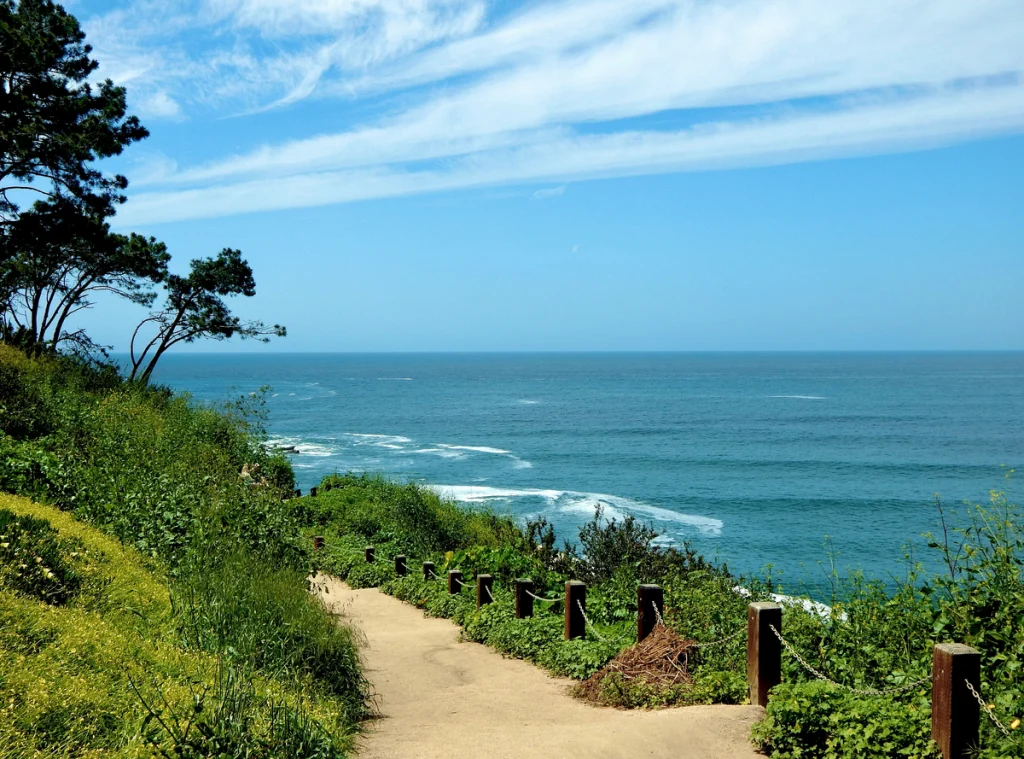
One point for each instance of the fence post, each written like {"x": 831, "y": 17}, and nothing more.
{"x": 298, "y": 492}
{"x": 328, "y": 486}
{"x": 454, "y": 581}
{"x": 955, "y": 711}
{"x": 484, "y": 583}
{"x": 647, "y": 598}
{"x": 428, "y": 570}
{"x": 575, "y": 608}
{"x": 400, "y": 569}
{"x": 312, "y": 492}
{"x": 524, "y": 603}
{"x": 318, "y": 542}
{"x": 764, "y": 651}
{"x": 370, "y": 555}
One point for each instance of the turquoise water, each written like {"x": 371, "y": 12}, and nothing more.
{"x": 755, "y": 459}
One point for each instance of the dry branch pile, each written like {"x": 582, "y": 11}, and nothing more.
{"x": 660, "y": 661}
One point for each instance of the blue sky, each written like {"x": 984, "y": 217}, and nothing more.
{"x": 586, "y": 174}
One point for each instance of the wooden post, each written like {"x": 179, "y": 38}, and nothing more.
{"x": 370, "y": 555}
{"x": 575, "y": 608}
{"x": 647, "y": 598}
{"x": 298, "y": 492}
{"x": 484, "y": 583}
{"x": 764, "y": 651}
{"x": 312, "y": 492}
{"x": 327, "y": 487}
{"x": 428, "y": 570}
{"x": 955, "y": 711}
{"x": 318, "y": 542}
{"x": 400, "y": 568}
{"x": 454, "y": 581}
{"x": 524, "y": 602}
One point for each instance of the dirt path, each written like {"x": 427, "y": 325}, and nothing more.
{"x": 439, "y": 697}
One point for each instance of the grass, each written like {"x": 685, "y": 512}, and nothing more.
{"x": 159, "y": 601}
{"x": 106, "y": 673}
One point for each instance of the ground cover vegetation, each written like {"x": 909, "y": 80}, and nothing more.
{"x": 878, "y": 635}
{"x": 179, "y": 623}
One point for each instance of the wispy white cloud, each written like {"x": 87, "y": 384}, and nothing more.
{"x": 877, "y": 128}
{"x": 448, "y": 97}
{"x": 549, "y": 192}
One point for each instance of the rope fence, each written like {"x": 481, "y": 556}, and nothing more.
{"x": 955, "y": 677}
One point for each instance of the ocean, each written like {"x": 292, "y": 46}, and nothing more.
{"x": 788, "y": 460}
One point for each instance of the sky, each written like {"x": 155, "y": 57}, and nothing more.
{"x": 483, "y": 175}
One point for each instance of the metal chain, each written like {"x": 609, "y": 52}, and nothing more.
{"x": 489, "y": 593}
{"x": 858, "y": 691}
{"x": 433, "y": 574}
{"x": 587, "y": 621}
{"x": 460, "y": 582}
{"x": 657, "y": 615}
{"x": 987, "y": 709}
{"x": 544, "y": 600}
{"x": 720, "y": 641}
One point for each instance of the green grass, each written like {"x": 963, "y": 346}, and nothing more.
{"x": 203, "y": 638}
{"x": 77, "y": 673}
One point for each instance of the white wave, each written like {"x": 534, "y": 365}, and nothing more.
{"x": 800, "y": 397}
{"x": 394, "y": 379}
{"x": 476, "y": 448}
{"x": 574, "y": 502}
{"x": 314, "y": 449}
{"x": 368, "y": 436}
{"x": 521, "y": 463}
{"x": 481, "y": 493}
{"x": 528, "y": 402}
{"x": 445, "y": 454}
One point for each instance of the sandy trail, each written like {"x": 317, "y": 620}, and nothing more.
{"x": 439, "y": 697}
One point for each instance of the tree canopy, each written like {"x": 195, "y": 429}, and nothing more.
{"x": 54, "y": 123}
{"x": 194, "y": 309}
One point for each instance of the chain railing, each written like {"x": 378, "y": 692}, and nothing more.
{"x": 535, "y": 597}
{"x": 953, "y": 735}
{"x": 988, "y": 709}
{"x": 858, "y": 691}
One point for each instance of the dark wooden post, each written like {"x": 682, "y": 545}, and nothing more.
{"x": 484, "y": 583}
{"x": 327, "y": 487}
{"x": 647, "y": 598}
{"x": 312, "y": 492}
{"x": 454, "y": 581}
{"x": 764, "y": 651}
{"x": 524, "y": 602}
{"x": 318, "y": 542}
{"x": 575, "y": 608}
{"x": 370, "y": 555}
{"x": 400, "y": 568}
{"x": 955, "y": 711}
{"x": 298, "y": 492}
{"x": 428, "y": 570}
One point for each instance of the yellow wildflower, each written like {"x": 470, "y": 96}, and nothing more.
{"x": 1015, "y": 724}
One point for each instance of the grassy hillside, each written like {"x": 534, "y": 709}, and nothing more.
{"x": 179, "y": 621}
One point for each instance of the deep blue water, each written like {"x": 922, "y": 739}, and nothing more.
{"x": 754, "y": 458}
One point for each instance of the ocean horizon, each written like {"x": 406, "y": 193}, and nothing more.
{"x": 787, "y": 459}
